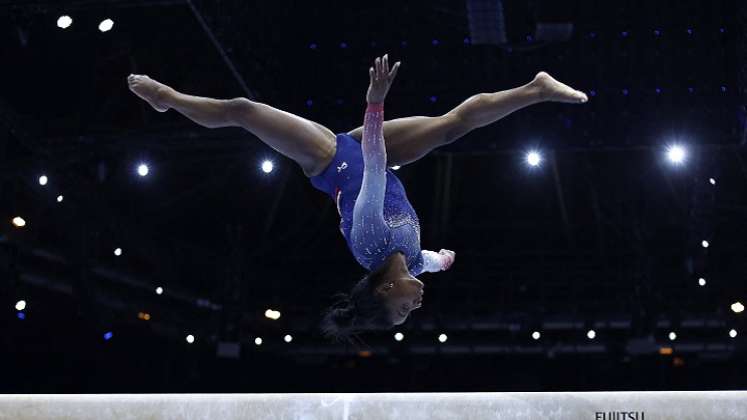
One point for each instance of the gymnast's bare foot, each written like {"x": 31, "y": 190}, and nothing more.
{"x": 552, "y": 90}
{"x": 150, "y": 91}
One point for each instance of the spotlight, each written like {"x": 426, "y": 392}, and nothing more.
{"x": 60, "y": 198}
{"x": 705, "y": 244}
{"x": 64, "y": 21}
{"x": 702, "y": 281}
{"x": 118, "y": 252}
{"x": 159, "y": 290}
{"x": 190, "y": 339}
{"x": 143, "y": 169}
{"x": 442, "y": 338}
{"x": 106, "y": 25}
{"x": 395, "y": 167}
{"x": 258, "y": 341}
{"x": 267, "y": 166}
{"x": 19, "y": 222}
{"x": 273, "y": 315}
{"x": 672, "y": 336}
{"x": 21, "y": 315}
{"x": 712, "y": 181}
{"x": 534, "y": 158}
{"x": 43, "y": 180}
{"x": 108, "y": 335}
{"x": 737, "y": 307}
{"x": 399, "y": 336}
{"x": 288, "y": 338}
{"x": 733, "y": 333}
{"x": 536, "y": 335}
{"x": 676, "y": 154}
{"x": 591, "y": 334}
{"x": 20, "y": 305}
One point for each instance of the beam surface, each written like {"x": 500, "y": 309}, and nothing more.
{"x": 690, "y": 405}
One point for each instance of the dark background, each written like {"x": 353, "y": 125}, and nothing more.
{"x": 605, "y": 234}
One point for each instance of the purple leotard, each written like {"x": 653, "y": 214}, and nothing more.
{"x": 376, "y": 218}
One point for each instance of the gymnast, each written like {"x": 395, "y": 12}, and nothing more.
{"x": 378, "y": 222}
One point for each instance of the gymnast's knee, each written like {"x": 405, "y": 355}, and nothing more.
{"x": 239, "y": 109}
{"x": 455, "y": 127}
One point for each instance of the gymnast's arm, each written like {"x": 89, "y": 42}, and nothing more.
{"x": 369, "y": 231}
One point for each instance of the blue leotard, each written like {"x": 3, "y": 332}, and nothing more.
{"x": 376, "y": 218}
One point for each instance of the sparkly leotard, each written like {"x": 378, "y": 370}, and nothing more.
{"x": 376, "y": 218}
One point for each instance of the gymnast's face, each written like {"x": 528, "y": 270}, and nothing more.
{"x": 402, "y": 294}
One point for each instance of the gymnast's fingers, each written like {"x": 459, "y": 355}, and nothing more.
{"x": 393, "y": 73}
{"x": 385, "y": 65}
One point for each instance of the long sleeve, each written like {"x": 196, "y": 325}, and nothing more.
{"x": 370, "y": 233}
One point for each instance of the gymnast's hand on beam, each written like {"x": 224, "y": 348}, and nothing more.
{"x": 449, "y": 257}
{"x": 381, "y": 79}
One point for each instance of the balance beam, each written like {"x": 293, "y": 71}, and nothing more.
{"x": 695, "y": 405}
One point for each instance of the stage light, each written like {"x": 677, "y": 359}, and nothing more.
{"x": 60, "y": 198}
{"x": 702, "y": 281}
{"x": 143, "y": 169}
{"x": 144, "y": 316}
{"x": 442, "y": 338}
{"x": 190, "y": 339}
{"x": 733, "y": 333}
{"x": 395, "y": 167}
{"x": 712, "y": 181}
{"x": 64, "y": 22}
{"x": 288, "y": 338}
{"x": 737, "y": 307}
{"x": 118, "y": 252}
{"x": 672, "y": 336}
{"x": 534, "y": 158}
{"x": 267, "y": 166}
{"x": 108, "y": 335}
{"x": 309, "y": 103}
{"x": 433, "y": 98}
{"x": 21, "y": 315}
{"x": 20, "y": 305}
{"x": 399, "y": 336}
{"x": 705, "y": 244}
{"x": 676, "y": 154}
{"x": 19, "y": 222}
{"x": 536, "y": 335}
{"x": 106, "y": 25}
{"x": 43, "y": 180}
{"x": 159, "y": 290}
{"x": 258, "y": 341}
{"x": 271, "y": 314}
{"x": 591, "y": 334}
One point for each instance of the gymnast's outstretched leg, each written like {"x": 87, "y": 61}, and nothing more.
{"x": 309, "y": 144}
{"x": 409, "y": 139}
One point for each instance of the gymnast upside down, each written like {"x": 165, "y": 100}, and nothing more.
{"x": 378, "y": 222}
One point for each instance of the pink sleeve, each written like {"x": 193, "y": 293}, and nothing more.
{"x": 370, "y": 234}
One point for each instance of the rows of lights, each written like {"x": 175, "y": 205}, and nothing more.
{"x": 656, "y": 32}
{"x": 676, "y": 154}
{"x": 65, "y": 21}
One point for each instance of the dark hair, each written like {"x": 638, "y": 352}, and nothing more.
{"x": 361, "y": 309}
